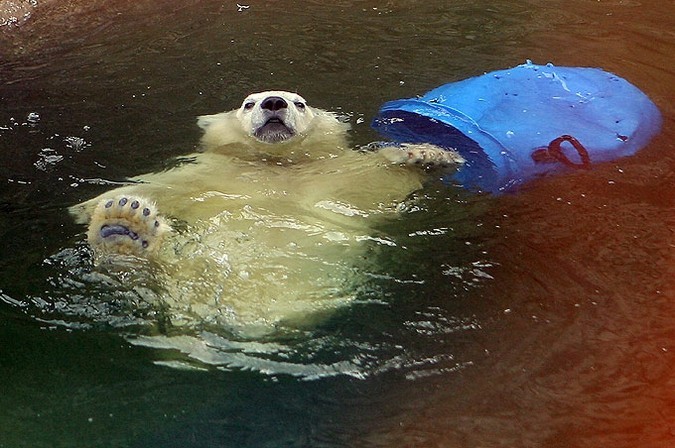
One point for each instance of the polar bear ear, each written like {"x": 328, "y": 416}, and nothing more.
{"x": 206, "y": 121}
{"x": 221, "y": 129}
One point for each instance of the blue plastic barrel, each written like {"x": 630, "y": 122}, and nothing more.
{"x": 516, "y": 124}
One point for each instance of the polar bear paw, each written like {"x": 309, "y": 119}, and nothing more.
{"x": 126, "y": 225}
{"x": 426, "y": 154}
{"x": 422, "y": 154}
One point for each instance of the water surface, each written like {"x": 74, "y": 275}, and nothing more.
{"x": 542, "y": 318}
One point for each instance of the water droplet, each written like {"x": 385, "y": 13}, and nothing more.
{"x": 33, "y": 118}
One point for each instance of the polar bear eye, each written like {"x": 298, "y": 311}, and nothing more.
{"x": 249, "y": 105}
{"x": 300, "y": 105}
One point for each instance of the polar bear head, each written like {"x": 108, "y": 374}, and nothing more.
{"x": 274, "y": 117}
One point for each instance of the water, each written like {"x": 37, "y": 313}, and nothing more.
{"x": 536, "y": 319}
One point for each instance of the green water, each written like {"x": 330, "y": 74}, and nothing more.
{"x": 541, "y": 319}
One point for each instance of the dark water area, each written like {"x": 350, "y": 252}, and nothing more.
{"x": 541, "y": 318}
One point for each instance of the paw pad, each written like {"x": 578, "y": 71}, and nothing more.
{"x": 126, "y": 225}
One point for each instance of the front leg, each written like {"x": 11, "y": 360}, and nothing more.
{"x": 418, "y": 154}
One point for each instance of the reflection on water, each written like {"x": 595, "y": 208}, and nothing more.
{"x": 537, "y": 319}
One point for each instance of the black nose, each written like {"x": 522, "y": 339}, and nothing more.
{"x": 274, "y": 103}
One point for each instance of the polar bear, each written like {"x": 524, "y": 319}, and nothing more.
{"x": 265, "y": 227}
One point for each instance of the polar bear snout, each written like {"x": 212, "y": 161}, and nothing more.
{"x": 275, "y": 122}
{"x": 274, "y": 128}
{"x": 274, "y": 103}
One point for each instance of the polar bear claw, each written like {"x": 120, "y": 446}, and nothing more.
{"x": 126, "y": 225}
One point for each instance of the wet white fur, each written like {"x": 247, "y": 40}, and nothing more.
{"x": 270, "y": 234}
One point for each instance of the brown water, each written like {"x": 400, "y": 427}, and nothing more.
{"x": 537, "y": 319}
